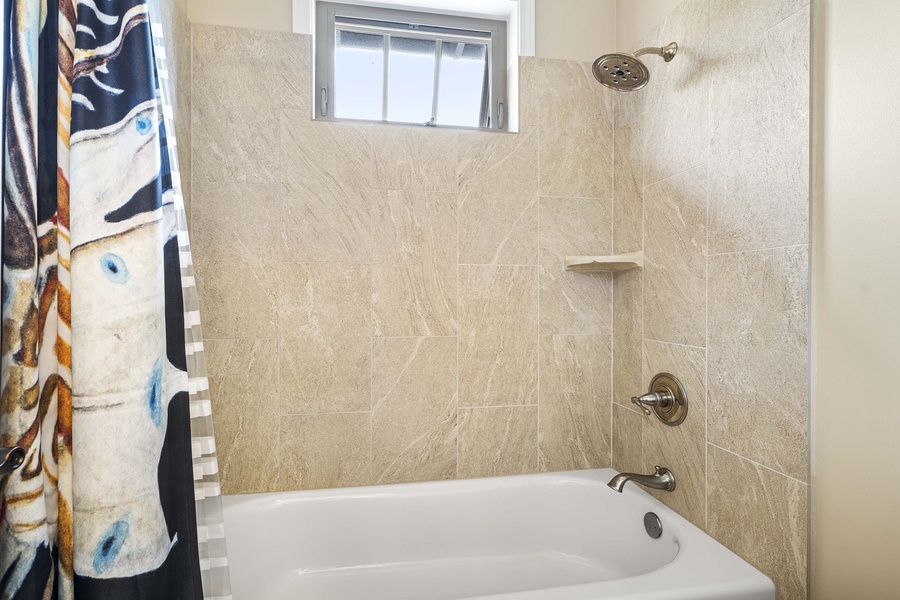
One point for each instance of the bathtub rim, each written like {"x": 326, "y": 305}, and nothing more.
{"x": 722, "y": 573}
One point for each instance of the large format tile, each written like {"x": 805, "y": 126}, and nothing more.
{"x": 627, "y": 444}
{"x": 326, "y": 209}
{"x": 278, "y": 61}
{"x": 212, "y": 75}
{"x": 325, "y": 299}
{"x": 414, "y": 430}
{"x": 683, "y": 448}
{"x": 238, "y": 299}
{"x": 575, "y": 402}
{"x": 237, "y": 144}
{"x": 759, "y": 151}
{"x": 498, "y": 198}
{"x": 530, "y": 90}
{"x": 761, "y": 515}
{"x": 676, "y": 123}
{"x": 498, "y": 345}
{"x": 317, "y": 225}
{"x": 325, "y": 373}
{"x": 735, "y": 23}
{"x": 414, "y": 158}
{"x": 575, "y": 116}
{"x": 575, "y": 302}
{"x": 497, "y": 441}
{"x": 324, "y": 451}
{"x": 563, "y": 94}
{"x": 220, "y": 224}
{"x": 295, "y": 73}
{"x": 627, "y": 336}
{"x": 758, "y": 389}
{"x": 324, "y": 323}
{"x": 238, "y": 44}
{"x": 628, "y": 177}
{"x": 576, "y": 163}
{"x": 675, "y": 259}
{"x": 243, "y": 380}
{"x": 414, "y": 271}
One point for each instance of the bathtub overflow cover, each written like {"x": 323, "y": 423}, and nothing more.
{"x": 653, "y": 525}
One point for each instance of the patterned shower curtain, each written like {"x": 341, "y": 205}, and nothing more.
{"x": 102, "y": 375}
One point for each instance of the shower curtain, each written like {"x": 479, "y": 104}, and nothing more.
{"x": 101, "y": 374}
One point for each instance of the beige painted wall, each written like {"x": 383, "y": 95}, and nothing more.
{"x": 856, "y": 306}
{"x": 392, "y": 311}
{"x": 575, "y": 29}
{"x": 571, "y": 30}
{"x": 271, "y": 15}
{"x": 720, "y": 207}
{"x": 636, "y": 18}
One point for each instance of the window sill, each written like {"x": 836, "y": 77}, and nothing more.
{"x": 417, "y": 125}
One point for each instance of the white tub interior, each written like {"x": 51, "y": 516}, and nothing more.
{"x": 443, "y": 541}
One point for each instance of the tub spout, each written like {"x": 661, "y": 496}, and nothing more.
{"x": 663, "y": 479}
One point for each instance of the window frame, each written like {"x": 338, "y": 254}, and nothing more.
{"x": 327, "y": 14}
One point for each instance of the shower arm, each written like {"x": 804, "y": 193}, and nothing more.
{"x": 666, "y": 52}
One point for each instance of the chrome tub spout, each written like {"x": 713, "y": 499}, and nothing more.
{"x": 662, "y": 479}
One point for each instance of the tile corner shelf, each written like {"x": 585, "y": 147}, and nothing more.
{"x": 619, "y": 262}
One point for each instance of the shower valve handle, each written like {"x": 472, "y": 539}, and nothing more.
{"x": 660, "y": 399}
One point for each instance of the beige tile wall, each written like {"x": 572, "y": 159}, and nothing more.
{"x": 712, "y": 182}
{"x": 387, "y": 304}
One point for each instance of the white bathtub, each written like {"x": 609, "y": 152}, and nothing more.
{"x": 559, "y": 536}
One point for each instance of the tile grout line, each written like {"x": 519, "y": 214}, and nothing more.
{"x": 628, "y": 408}
{"x": 758, "y": 250}
{"x": 498, "y": 406}
{"x": 709, "y": 152}
{"x": 709, "y": 116}
{"x": 459, "y": 311}
{"x": 597, "y": 198}
{"x": 411, "y": 337}
{"x": 372, "y": 329}
{"x": 540, "y": 257}
{"x": 279, "y": 458}
{"x": 326, "y": 413}
{"x": 612, "y": 286}
{"x": 643, "y": 188}
{"x": 678, "y": 174}
{"x": 494, "y": 265}
{"x": 757, "y": 464}
{"x": 372, "y": 392}
{"x": 652, "y": 341}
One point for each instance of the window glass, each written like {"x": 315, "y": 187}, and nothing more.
{"x": 411, "y": 65}
{"x": 358, "y": 75}
{"x": 462, "y": 92}
{"x": 379, "y": 64}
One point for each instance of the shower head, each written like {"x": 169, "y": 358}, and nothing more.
{"x": 625, "y": 72}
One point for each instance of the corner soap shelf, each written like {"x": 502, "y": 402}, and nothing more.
{"x": 620, "y": 262}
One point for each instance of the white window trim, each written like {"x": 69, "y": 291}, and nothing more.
{"x": 304, "y": 21}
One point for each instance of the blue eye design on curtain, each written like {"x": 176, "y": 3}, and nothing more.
{"x": 143, "y": 125}
{"x": 89, "y": 201}
{"x": 109, "y": 545}
{"x": 154, "y": 394}
{"x": 115, "y": 268}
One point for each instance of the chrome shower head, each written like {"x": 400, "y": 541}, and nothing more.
{"x": 625, "y": 72}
